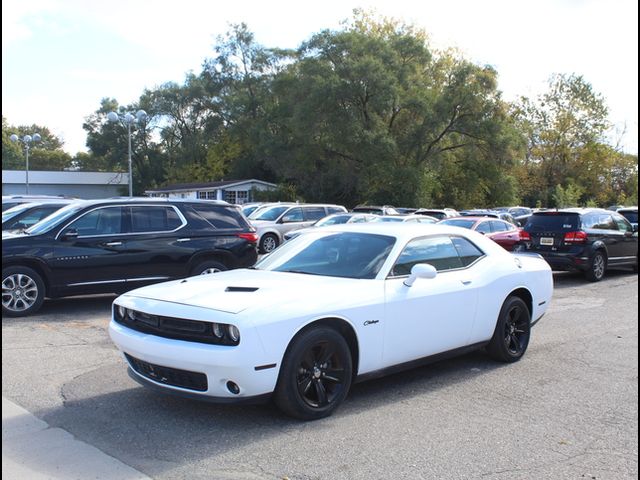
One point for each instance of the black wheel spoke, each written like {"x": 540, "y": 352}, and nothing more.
{"x": 326, "y": 353}
{"x": 305, "y": 384}
{"x": 321, "y": 392}
{"x": 335, "y": 375}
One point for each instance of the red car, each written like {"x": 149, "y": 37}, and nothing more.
{"x": 505, "y": 234}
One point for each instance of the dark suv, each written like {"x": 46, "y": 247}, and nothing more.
{"x": 111, "y": 246}
{"x": 587, "y": 240}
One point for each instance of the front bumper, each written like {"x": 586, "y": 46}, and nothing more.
{"x": 243, "y": 365}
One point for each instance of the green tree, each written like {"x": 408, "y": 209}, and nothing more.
{"x": 46, "y": 154}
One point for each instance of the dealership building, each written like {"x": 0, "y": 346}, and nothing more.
{"x": 73, "y": 184}
{"x": 232, "y": 191}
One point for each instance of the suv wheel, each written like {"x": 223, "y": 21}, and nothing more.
{"x": 598, "y": 265}
{"x": 22, "y": 291}
{"x": 268, "y": 243}
{"x": 207, "y": 267}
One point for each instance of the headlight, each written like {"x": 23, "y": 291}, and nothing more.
{"x": 121, "y": 311}
{"x": 234, "y": 333}
{"x": 218, "y": 330}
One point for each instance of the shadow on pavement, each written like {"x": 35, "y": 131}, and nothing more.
{"x": 139, "y": 427}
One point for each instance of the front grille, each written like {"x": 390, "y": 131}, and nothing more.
{"x": 169, "y": 376}
{"x": 170, "y": 327}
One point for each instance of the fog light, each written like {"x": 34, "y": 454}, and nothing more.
{"x": 233, "y": 388}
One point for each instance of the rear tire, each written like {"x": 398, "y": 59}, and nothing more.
{"x": 207, "y": 267}
{"x": 513, "y": 330}
{"x": 315, "y": 375}
{"x": 597, "y": 267}
{"x": 268, "y": 243}
{"x": 22, "y": 291}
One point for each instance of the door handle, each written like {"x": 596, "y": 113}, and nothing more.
{"x": 113, "y": 244}
{"x": 466, "y": 282}
{"x": 183, "y": 240}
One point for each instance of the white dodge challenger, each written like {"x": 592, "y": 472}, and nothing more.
{"x": 338, "y": 305}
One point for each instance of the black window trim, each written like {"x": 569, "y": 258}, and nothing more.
{"x": 177, "y": 210}
{"x": 393, "y": 277}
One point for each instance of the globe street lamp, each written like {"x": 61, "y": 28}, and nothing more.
{"x": 128, "y": 119}
{"x": 26, "y": 140}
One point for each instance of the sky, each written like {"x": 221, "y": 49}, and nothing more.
{"x": 61, "y": 57}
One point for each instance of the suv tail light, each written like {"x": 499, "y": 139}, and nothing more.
{"x": 524, "y": 236}
{"x": 575, "y": 237}
{"x": 250, "y": 237}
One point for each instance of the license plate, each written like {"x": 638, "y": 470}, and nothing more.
{"x": 546, "y": 241}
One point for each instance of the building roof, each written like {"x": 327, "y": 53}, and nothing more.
{"x": 189, "y": 187}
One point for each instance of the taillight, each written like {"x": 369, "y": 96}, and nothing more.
{"x": 524, "y": 236}
{"x": 575, "y": 237}
{"x": 249, "y": 237}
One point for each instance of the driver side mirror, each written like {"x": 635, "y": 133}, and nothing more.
{"x": 70, "y": 234}
{"x": 420, "y": 270}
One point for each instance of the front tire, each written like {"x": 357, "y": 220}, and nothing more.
{"x": 315, "y": 375}
{"x": 597, "y": 267}
{"x": 22, "y": 291}
{"x": 513, "y": 330}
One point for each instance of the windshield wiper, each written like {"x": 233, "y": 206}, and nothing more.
{"x": 300, "y": 271}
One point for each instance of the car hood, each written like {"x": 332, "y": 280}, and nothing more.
{"x": 9, "y": 234}
{"x": 236, "y": 290}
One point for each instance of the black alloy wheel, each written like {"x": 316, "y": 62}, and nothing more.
{"x": 513, "y": 330}
{"x": 316, "y": 374}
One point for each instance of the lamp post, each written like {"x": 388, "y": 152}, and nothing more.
{"x": 128, "y": 119}
{"x": 26, "y": 140}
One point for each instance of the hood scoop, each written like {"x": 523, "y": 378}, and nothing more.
{"x": 241, "y": 289}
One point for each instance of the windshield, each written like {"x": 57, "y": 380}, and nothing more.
{"x": 13, "y": 211}
{"x": 333, "y": 220}
{"x": 341, "y": 254}
{"x": 459, "y": 222}
{"x": 54, "y": 219}
{"x": 249, "y": 210}
{"x": 390, "y": 219}
{"x": 631, "y": 216}
{"x": 270, "y": 214}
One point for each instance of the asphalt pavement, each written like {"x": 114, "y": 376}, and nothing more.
{"x": 568, "y": 409}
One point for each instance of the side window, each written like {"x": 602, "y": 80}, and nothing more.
{"x": 293, "y": 215}
{"x": 623, "y": 224}
{"x": 605, "y": 222}
{"x": 314, "y": 213}
{"x": 153, "y": 218}
{"x": 484, "y": 227}
{"x": 468, "y": 252}
{"x": 589, "y": 221}
{"x": 436, "y": 251}
{"x": 331, "y": 210}
{"x": 221, "y": 217}
{"x": 499, "y": 226}
{"x": 102, "y": 221}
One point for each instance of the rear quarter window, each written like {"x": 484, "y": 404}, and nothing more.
{"x": 222, "y": 218}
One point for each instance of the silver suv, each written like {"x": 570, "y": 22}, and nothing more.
{"x": 273, "y": 222}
